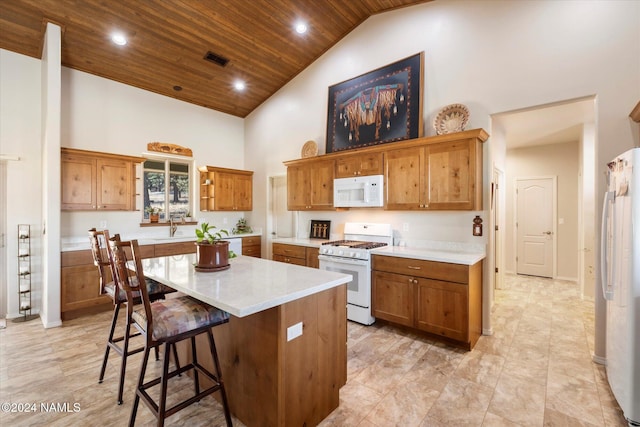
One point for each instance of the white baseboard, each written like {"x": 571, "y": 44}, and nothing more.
{"x": 568, "y": 279}
{"x": 487, "y": 331}
{"x": 599, "y": 360}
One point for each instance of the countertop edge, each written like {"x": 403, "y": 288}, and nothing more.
{"x": 463, "y": 258}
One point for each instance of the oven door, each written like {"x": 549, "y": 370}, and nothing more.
{"x": 359, "y": 289}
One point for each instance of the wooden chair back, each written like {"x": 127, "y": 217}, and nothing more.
{"x": 130, "y": 283}
{"x": 99, "y": 250}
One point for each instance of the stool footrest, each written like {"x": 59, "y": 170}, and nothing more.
{"x": 148, "y": 400}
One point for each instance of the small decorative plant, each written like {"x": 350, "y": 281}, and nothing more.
{"x": 242, "y": 227}
{"x": 153, "y": 210}
{"x": 206, "y": 234}
{"x": 154, "y": 213}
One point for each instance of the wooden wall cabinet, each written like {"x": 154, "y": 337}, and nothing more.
{"x": 252, "y": 246}
{"x": 362, "y": 164}
{"x": 439, "y": 298}
{"x": 310, "y": 185}
{"x": 441, "y": 176}
{"x": 442, "y": 172}
{"x": 224, "y": 189}
{"x": 98, "y": 181}
{"x": 296, "y": 254}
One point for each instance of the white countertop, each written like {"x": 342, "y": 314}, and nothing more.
{"x": 451, "y": 252}
{"x": 431, "y": 254}
{"x": 82, "y": 243}
{"x": 250, "y": 285}
{"x": 301, "y": 241}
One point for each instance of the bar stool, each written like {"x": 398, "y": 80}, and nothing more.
{"x": 168, "y": 322}
{"x": 109, "y": 287}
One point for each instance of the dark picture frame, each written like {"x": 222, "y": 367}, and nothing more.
{"x": 383, "y": 105}
{"x": 320, "y": 229}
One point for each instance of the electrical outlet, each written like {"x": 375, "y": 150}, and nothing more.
{"x": 294, "y": 331}
{"x": 103, "y": 225}
{"x": 405, "y": 226}
{"x": 224, "y": 220}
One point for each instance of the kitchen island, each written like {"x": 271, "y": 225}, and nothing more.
{"x": 283, "y": 353}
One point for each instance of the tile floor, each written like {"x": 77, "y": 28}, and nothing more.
{"x": 535, "y": 370}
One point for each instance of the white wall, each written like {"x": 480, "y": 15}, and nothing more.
{"x": 51, "y": 85}
{"x": 101, "y": 115}
{"x": 20, "y": 135}
{"x": 108, "y": 116}
{"x": 561, "y": 161}
{"x": 493, "y": 56}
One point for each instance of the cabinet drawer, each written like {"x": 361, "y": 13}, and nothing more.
{"x": 292, "y": 251}
{"x": 289, "y": 259}
{"x": 178, "y": 248}
{"x": 251, "y": 241}
{"x": 253, "y": 250}
{"x": 71, "y": 258}
{"x": 252, "y": 246}
{"x": 420, "y": 268}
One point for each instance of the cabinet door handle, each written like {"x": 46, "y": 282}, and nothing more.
{"x": 413, "y": 268}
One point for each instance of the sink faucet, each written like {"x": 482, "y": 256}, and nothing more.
{"x": 172, "y": 226}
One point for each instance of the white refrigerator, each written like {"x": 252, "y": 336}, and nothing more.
{"x": 620, "y": 268}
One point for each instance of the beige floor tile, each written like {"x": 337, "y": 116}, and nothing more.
{"x": 461, "y": 402}
{"x": 574, "y": 397}
{"x": 535, "y": 370}
{"x": 518, "y": 400}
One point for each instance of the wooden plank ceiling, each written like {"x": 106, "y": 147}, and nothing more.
{"x": 168, "y": 40}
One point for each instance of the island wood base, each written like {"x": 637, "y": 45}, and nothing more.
{"x": 274, "y": 382}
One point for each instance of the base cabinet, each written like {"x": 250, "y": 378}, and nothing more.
{"x": 442, "y": 299}
{"x": 296, "y": 254}
{"x": 442, "y": 308}
{"x": 252, "y": 246}
{"x": 80, "y": 280}
{"x": 393, "y": 297}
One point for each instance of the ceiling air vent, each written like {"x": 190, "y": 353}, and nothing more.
{"x": 216, "y": 59}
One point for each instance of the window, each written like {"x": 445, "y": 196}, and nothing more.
{"x": 176, "y": 195}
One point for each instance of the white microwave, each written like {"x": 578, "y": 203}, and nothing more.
{"x": 358, "y": 192}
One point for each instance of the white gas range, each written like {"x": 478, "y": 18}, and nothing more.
{"x": 353, "y": 256}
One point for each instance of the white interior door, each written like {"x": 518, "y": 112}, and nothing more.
{"x": 496, "y": 208}
{"x": 282, "y": 222}
{"x": 535, "y": 234}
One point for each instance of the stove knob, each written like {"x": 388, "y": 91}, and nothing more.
{"x": 324, "y": 250}
{"x": 340, "y": 253}
{"x": 330, "y": 251}
{"x": 353, "y": 254}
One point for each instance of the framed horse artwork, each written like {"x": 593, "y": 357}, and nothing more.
{"x": 381, "y": 106}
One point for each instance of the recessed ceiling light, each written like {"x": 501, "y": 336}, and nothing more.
{"x": 239, "y": 85}
{"x": 301, "y": 28}
{"x": 119, "y": 39}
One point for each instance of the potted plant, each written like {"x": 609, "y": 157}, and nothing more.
{"x": 188, "y": 217}
{"x": 242, "y": 227}
{"x": 154, "y": 213}
{"x": 212, "y": 253}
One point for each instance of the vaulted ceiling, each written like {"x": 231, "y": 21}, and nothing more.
{"x": 169, "y": 39}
